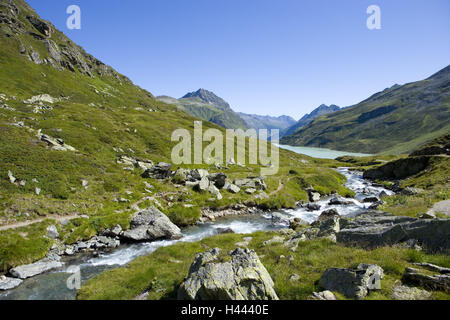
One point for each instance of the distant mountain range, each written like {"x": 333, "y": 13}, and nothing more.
{"x": 396, "y": 120}
{"x": 268, "y": 122}
{"x": 206, "y": 105}
{"x": 319, "y": 111}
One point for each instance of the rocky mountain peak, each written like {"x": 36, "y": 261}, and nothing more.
{"x": 208, "y": 97}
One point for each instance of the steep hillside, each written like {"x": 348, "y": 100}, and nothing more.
{"x": 267, "y": 122}
{"x": 307, "y": 118}
{"x": 396, "y": 120}
{"x": 206, "y": 105}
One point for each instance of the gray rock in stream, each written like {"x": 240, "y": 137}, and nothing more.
{"x": 151, "y": 224}
{"x": 7, "y": 283}
{"x": 31, "y": 270}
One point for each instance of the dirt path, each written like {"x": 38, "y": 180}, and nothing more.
{"x": 27, "y": 223}
{"x": 280, "y": 186}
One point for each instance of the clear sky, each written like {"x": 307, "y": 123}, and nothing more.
{"x": 263, "y": 56}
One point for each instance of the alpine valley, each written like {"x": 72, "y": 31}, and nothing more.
{"x": 89, "y": 194}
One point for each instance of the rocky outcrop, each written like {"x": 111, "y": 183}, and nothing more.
{"x": 40, "y": 25}
{"x": 54, "y": 143}
{"x": 161, "y": 171}
{"x": 401, "y": 292}
{"x": 31, "y": 270}
{"x": 353, "y": 283}
{"x": 433, "y": 267}
{"x": 41, "y": 99}
{"x": 410, "y": 191}
{"x": 376, "y": 229}
{"x": 438, "y": 146}
{"x": 131, "y": 163}
{"x": 17, "y": 20}
{"x": 151, "y": 224}
{"x": 243, "y": 278}
{"x": 416, "y": 277}
{"x": 399, "y": 169}
{"x": 256, "y": 183}
{"x": 366, "y": 116}
{"x": 442, "y": 207}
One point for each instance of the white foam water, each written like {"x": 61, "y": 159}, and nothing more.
{"x": 240, "y": 225}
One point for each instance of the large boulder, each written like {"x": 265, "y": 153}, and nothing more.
{"x": 31, "y": 270}
{"x": 151, "y": 224}
{"x": 377, "y": 229}
{"x": 214, "y": 191}
{"x": 353, "y": 283}
{"x": 203, "y": 185}
{"x": 330, "y": 227}
{"x": 243, "y": 278}
{"x": 328, "y": 214}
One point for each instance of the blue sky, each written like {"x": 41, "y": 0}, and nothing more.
{"x": 263, "y": 56}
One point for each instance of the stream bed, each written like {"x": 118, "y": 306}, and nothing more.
{"x": 54, "y": 285}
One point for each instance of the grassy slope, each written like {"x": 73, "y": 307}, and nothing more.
{"x": 422, "y": 113}
{"x": 120, "y": 108}
{"x": 162, "y": 271}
